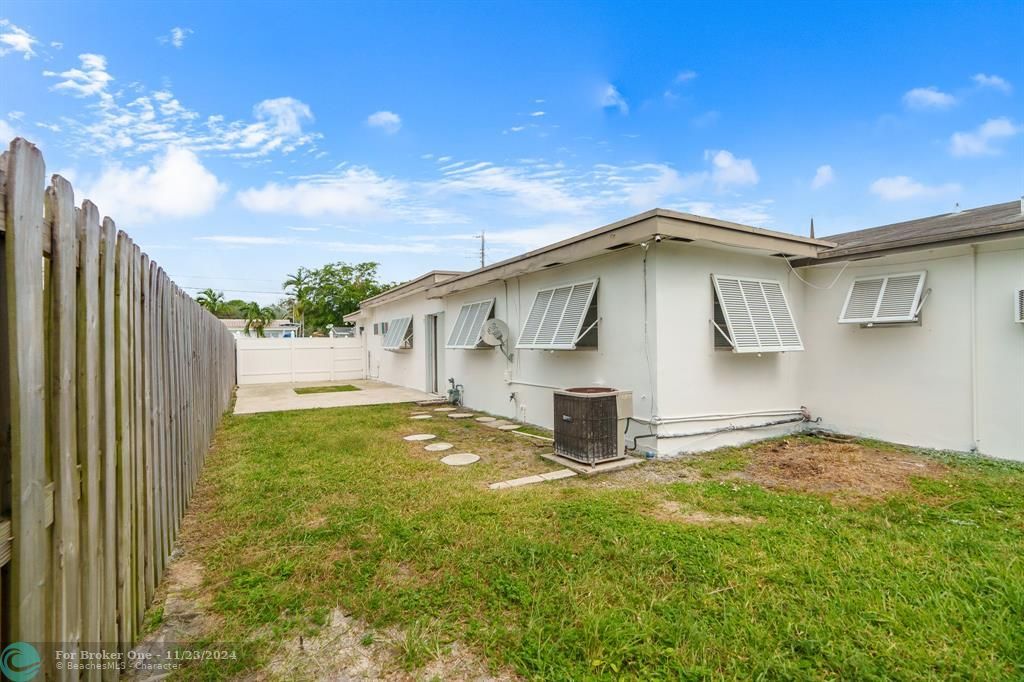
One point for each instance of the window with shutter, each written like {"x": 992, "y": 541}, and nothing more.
{"x": 470, "y": 324}
{"x": 1018, "y": 299}
{"x": 562, "y": 318}
{"x": 753, "y": 316}
{"x": 881, "y": 299}
{"x": 399, "y": 334}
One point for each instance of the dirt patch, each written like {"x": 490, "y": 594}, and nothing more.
{"x": 842, "y": 469}
{"x": 186, "y": 614}
{"x": 346, "y": 649}
{"x": 652, "y": 472}
{"x": 676, "y": 513}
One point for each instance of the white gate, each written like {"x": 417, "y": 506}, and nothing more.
{"x": 273, "y": 361}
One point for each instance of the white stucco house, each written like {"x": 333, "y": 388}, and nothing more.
{"x": 726, "y": 333}
{"x": 276, "y": 329}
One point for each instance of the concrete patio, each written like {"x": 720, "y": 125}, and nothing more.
{"x": 254, "y": 398}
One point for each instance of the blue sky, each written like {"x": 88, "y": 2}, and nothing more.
{"x": 238, "y": 141}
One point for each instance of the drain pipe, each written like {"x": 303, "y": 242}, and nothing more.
{"x": 721, "y": 429}
{"x": 656, "y": 420}
{"x": 974, "y": 348}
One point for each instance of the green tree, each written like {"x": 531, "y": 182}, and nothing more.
{"x": 211, "y": 300}
{"x": 233, "y": 309}
{"x": 323, "y": 296}
{"x": 257, "y": 318}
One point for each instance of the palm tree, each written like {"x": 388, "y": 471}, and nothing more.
{"x": 299, "y": 285}
{"x": 211, "y": 300}
{"x": 257, "y": 317}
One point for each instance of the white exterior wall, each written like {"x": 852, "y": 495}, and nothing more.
{"x": 914, "y": 384}
{"x": 403, "y": 367}
{"x": 696, "y": 384}
{"x": 489, "y": 379}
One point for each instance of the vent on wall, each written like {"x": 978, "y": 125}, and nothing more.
{"x": 884, "y": 299}
{"x": 753, "y": 316}
{"x": 1018, "y": 300}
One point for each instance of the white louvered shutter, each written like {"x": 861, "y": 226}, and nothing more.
{"x": 757, "y": 315}
{"x": 398, "y": 330}
{"x": 883, "y": 298}
{"x": 470, "y": 324}
{"x": 556, "y": 318}
{"x": 1018, "y": 300}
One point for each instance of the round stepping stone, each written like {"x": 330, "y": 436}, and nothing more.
{"x": 421, "y": 436}
{"x": 421, "y": 416}
{"x": 445, "y": 409}
{"x": 461, "y": 459}
{"x": 460, "y": 415}
{"x": 438, "y": 447}
{"x": 485, "y": 419}
{"x": 509, "y": 427}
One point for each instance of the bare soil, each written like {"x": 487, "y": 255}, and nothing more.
{"x": 675, "y": 512}
{"x": 840, "y": 469}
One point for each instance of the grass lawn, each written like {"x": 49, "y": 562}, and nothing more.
{"x": 343, "y": 388}
{"x": 706, "y": 568}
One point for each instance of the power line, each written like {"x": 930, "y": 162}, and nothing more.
{"x": 237, "y": 291}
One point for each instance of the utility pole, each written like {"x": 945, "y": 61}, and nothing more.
{"x": 482, "y": 247}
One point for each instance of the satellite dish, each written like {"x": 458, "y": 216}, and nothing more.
{"x": 495, "y": 333}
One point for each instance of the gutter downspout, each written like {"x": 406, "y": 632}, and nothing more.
{"x": 974, "y": 347}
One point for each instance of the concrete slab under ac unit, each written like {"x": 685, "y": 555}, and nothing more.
{"x": 592, "y": 470}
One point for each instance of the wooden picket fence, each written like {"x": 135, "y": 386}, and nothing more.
{"x": 112, "y": 382}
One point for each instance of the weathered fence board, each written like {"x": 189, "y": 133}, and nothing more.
{"x": 113, "y": 383}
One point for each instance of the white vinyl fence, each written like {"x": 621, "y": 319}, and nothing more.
{"x": 273, "y": 361}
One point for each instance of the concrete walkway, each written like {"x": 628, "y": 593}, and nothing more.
{"x": 253, "y": 398}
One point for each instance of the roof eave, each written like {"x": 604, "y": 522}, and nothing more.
{"x": 634, "y": 230}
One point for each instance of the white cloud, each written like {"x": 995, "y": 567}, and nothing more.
{"x": 352, "y": 191}
{"x": 7, "y": 133}
{"x": 984, "y": 80}
{"x": 388, "y": 121}
{"x": 537, "y": 113}
{"x": 176, "y": 37}
{"x": 57, "y": 45}
{"x": 753, "y": 213}
{"x": 143, "y": 122}
{"x": 685, "y": 76}
{"x": 611, "y": 98}
{"x": 89, "y": 80}
{"x": 15, "y": 39}
{"x": 823, "y": 176}
{"x": 174, "y": 185}
{"x": 728, "y": 171}
{"x": 348, "y": 247}
{"x": 983, "y": 140}
{"x": 928, "y": 98}
{"x": 902, "y": 187}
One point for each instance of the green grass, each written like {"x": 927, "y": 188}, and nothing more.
{"x": 326, "y": 389}
{"x": 306, "y": 511}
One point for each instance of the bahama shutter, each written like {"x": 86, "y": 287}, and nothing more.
{"x": 399, "y": 334}
{"x": 756, "y": 315}
{"x": 470, "y": 324}
{"x": 883, "y": 298}
{"x": 556, "y": 318}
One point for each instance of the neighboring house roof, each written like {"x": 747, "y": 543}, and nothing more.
{"x": 402, "y": 290}
{"x": 975, "y": 224}
{"x": 238, "y": 325}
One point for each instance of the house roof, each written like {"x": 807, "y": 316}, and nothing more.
{"x": 671, "y": 225}
{"x": 236, "y": 324}
{"x": 968, "y": 225}
{"x": 402, "y": 290}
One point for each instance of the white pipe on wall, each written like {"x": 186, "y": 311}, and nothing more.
{"x": 716, "y": 417}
